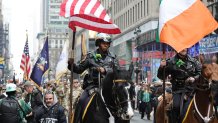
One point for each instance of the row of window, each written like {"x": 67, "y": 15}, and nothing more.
{"x": 56, "y": 1}
{"x": 58, "y": 30}
{"x": 132, "y": 15}
{"x": 56, "y": 43}
{"x": 59, "y": 22}
{"x": 55, "y": 6}
{"x": 121, "y": 4}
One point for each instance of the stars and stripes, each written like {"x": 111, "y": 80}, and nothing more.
{"x": 25, "y": 61}
{"x": 89, "y": 14}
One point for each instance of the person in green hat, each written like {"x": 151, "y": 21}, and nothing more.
{"x": 13, "y": 110}
{"x": 33, "y": 98}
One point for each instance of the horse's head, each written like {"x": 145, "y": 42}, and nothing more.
{"x": 120, "y": 92}
{"x": 209, "y": 76}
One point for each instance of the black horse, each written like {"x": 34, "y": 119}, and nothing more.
{"x": 113, "y": 98}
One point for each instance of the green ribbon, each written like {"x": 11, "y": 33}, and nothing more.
{"x": 179, "y": 63}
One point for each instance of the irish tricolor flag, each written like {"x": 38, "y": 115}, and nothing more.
{"x": 182, "y": 23}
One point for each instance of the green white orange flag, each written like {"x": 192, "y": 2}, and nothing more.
{"x": 182, "y": 23}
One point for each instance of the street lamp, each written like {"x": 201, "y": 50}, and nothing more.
{"x": 137, "y": 31}
{"x": 137, "y": 71}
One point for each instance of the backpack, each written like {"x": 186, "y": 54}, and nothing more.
{"x": 9, "y": 111}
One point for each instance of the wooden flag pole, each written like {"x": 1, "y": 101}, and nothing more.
{"x": 71, "y": 82}
{"x": 164, "y": 78}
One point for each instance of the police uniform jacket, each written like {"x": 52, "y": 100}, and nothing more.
{"x": 93, "y": 60}
{"x": 180, "y": 70}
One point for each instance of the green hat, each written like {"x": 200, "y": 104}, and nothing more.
{"x": 28, "y": 83}
{"x": 11, "y": 87}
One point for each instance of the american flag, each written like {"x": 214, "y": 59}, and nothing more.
{"x": 88, "y": 14}
{"x": 25, "y": 61}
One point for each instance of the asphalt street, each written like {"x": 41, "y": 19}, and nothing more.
{"x": 137, "y": 119}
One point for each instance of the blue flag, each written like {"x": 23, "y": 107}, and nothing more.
{"x": 41, "y": 65}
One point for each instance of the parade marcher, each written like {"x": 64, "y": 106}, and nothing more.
{"x": 96, "y": 62}
{"x": 61, "y": 95}
{"x": 146, "y": 102}
{"x": 182, "y": 69}
{"x": 13, "y": 110}
{"x": 33, "y": 98}
{"x": 51, "y": 111}
{"x": 49, "y": 86}
{"x": 132, "y": 94}
{"x": 77, "y": 91}
{"x": 139, "y": 94}
{"x": 3, "y": 92}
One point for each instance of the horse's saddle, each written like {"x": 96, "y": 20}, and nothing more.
{"x": 82, "y": 106}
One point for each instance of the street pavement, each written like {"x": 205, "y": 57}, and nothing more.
{"x": 137, "y": 118}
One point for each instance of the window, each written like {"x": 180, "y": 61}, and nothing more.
{"x": 133, "y": 15}
{"x": 144, "y": 8}
{"x": 138, "y": 11}
{"x": 55, "y": 22}
{"x": 130, "y": 16}
{"x": 54, "y": 17}
{"x": 54, "y": 6}
{"x": 141, "y": 9}
{"x": 147, "y": 8}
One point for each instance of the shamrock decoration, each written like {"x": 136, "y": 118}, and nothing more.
{"x": 179, "y": 63}
{"x": 97, "y": 56}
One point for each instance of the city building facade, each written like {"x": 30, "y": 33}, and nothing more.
{"x": 56, "y": 27}
{"x": 5, "y": 64}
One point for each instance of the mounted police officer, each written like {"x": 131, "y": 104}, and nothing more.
{"x": 184, "y": 70}
{"x": 96, "y": 62}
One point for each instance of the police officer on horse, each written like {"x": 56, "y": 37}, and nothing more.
{"x": 184, "y": 70}
{"x": 97, "y": 62}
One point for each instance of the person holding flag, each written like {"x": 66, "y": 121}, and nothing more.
{"x": 181, "y": 26}
{"x": 183, "y": 69}
{"x": 96, "y": 62}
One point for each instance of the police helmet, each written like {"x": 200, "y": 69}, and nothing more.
{"x": 102, "y": 37}
{"x": 11, "y": 87}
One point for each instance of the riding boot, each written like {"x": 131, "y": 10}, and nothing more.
{"x": 170, "y": 115}
{"x": 175, "y": 117}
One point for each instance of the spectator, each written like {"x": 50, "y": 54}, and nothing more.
{"x": 146, "y": 102}
{"x": 51, "y": 111}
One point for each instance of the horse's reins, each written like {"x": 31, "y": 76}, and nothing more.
{"x": 99, "y": 84}
{"x": 208, "y": 117}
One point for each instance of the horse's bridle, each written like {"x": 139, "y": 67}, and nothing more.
{"x": 208, "y": 118}
{"x": 205, "y": 86}
{"x": 118, "y": 109}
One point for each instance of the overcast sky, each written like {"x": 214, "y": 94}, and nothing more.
{"x": 21, "y": 15}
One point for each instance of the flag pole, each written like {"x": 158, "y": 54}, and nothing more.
{"x": 71, "y": 83}
{"x": 164, "y": 78}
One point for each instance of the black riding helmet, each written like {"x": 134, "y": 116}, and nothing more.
{"x": 102, "y": 37}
